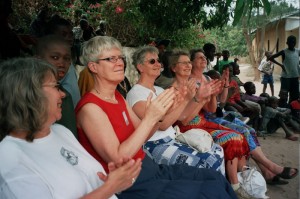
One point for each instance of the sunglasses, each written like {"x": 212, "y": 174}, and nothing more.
{"x": 153, "y": 61}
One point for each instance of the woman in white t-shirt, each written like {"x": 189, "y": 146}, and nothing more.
{"x": 42, "y": 160}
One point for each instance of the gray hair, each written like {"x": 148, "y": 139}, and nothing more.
{"x": 94, "y": 47}
{"x": 139, "y": 55}
{"x": 23, "y": 104}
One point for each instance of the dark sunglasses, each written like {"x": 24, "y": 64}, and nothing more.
{"x": 152, "y": 61}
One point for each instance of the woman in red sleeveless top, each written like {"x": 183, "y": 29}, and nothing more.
{"x": 109, "y": 129}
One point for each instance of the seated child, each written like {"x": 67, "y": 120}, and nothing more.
{"x": 249, "y": 95}
{"x": 234, "y": 103}
{"x": 283, "y": 99}
{"x": 295, "y": 107}
{"x": 275, "y": 117}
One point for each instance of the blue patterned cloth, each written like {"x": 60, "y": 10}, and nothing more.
{"x": 171, "y": 152}
{"x": 240, "y": 127}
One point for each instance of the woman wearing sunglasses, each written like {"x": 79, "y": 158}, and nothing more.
{"x": 162, "y": 145}
{"x": 109, "y": 129}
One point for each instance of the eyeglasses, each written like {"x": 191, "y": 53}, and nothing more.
{"x": 113, "y": 59}
{"x": 57, "y": 86}
{"x": 201, "y": 57}
{"x": 184, "y": 62}
{"x": 153, "y": 61}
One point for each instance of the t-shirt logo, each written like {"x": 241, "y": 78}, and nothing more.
{"x": 69, "y": 156}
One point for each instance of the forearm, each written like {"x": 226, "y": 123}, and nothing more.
{"x": 223, "y": 95}
{"x": 130, "y": 146}
{"x": 212, "y": 105}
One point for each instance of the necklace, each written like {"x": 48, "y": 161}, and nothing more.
{"x": 107, "y": 98}
{"x": 123, "y": 86}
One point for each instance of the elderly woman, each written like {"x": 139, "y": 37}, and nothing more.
{"x": 162, "y": 145}
{"x": 39, "y": 159}
{"x": 234, "y": 144}
{"x": 109, "y": 129}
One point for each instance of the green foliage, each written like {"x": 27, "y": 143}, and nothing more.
{"x": 188, "y": 23}
{"x": 245, "y": 8}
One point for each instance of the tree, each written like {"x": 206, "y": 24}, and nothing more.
{"x": 260, "y": 14}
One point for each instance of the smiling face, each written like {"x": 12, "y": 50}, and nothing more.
{"x": 183, "y": 67}
{"x": 199, "y": 62}
{"x": 106, "y": 69}
{"x": 151, "y": 65}
{"x": 58, "y": 55}
{"x": 54, "y": 98}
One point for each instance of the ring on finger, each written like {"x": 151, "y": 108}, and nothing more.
{"x": 132, "y": 180}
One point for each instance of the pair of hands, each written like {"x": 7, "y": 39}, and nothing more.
{"x": 122, "y": 174}
{"x": 202, "y": 91}
{"x": 156, "y": 109}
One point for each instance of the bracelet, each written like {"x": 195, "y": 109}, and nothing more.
{"x": 226, "y": 86}
{"x": 195, "y": 99}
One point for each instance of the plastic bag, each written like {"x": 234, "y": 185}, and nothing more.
{"x": 253, "y": 182}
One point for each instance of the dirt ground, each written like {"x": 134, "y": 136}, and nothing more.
{"x": 276, "y": 148}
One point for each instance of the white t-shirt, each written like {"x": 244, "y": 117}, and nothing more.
{"x": 55, "y": 166}
{"x": 140, "y": 93}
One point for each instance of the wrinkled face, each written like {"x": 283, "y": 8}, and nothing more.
{"x": 110, "y": 66}
{"x": 58, "y": 55}
{"x": 54, "y": 98}
{"x": 151, "y": 65}
{"x": 183, "y": 66}
{"x": 200, "y": 61}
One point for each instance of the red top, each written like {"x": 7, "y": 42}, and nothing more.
{"x": 236, "y": 95}
{"x": 295, "y": 105}
{"x": 117, "y": 115}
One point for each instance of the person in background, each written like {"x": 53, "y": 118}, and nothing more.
{"x": 250, "y": 96}
{"x": 108, "y": 128}
{"x": 295, "y": 107}
{"x": 88, "y": 30}
{"x": 290, "y": 68}
{"x": 42, "y": 159}
{"x": 38, "y": 25}
{"x": 267, "y": 67}
{"x": 269, "y": 169}
{"x": 210, "y": 53}
{"x": 165, "y": 79}
{"x": 275, "y": 118}
{"x": 60, "y": 26}
{"x": 161, "y": 45}
{"x": 234, "y": 75}
{"x": 56, "y": 50}
{"x": 101, "y": 31}
{"x": 224, "y": 61}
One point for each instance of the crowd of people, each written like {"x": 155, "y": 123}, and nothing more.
{"x": 94, "y": 135}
